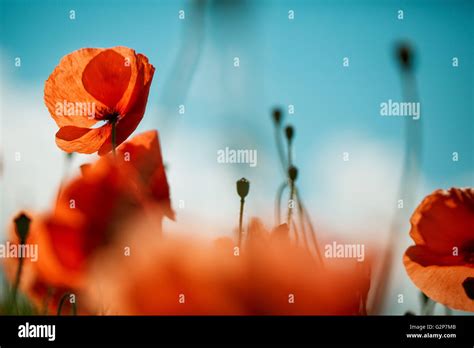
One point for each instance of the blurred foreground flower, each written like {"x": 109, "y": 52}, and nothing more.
{"x": 90, "y": 210}
{"x": 96, "y": 84}
{"x": 441, "y": 263}
{"x": 32, "y": 282}
{"x": 270, "y": 275}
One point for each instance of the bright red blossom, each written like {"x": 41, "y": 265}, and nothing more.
{"x": 115, "y": 82}
{"x": 441, "y": 263}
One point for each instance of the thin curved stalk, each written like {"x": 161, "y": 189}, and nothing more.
{"x": 279, "y": 195}
{"x": 61, "y": 304}
{"x": 406, "y": 191}
{"x": 311, "y": 227}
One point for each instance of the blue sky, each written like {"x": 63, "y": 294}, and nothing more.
{"x": 284, "y": 62}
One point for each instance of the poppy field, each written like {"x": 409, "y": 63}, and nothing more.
{"x": 169, "y": 180}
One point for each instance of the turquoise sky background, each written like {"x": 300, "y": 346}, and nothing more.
{"x": 285, "y": 62}
{"x": 282, "y": 62}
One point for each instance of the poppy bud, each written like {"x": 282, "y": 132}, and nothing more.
{"x": 22, "y": 226}
{"x": 243, "y": 186}
{"x": 405, "y": 56}
{"x": 292, "y": 173}
{"x": 277, "y": 115}
{"x": 290, "y": 132}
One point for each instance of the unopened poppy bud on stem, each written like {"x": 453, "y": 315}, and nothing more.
{"x": 405, "y": 56}
{"x": 243, "y": 186}
{"x": 22, "y": 226}
{"x": 276, "y": 114}
{"x": 290, "y": 133}
{"x": 292, "y": 173}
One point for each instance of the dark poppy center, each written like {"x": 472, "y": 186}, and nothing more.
{"x": 112, "y": 117}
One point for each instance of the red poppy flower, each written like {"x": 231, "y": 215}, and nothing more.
{"x": 44, "y": 296}
{"x": 91, "y": 208}
{"x": 441, "y": 263}
{"x": 143, "y": 154}
{"x": 92, "y": 85}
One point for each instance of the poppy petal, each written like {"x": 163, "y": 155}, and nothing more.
{"x": 444, "y": 220}
{"x": 143, "y": 152}
{"x": 442, "y": 283}
{"x": 138, "y": 63}
{"x": 106, "y": 77}
{"x": 82, "y": 140}
{"x": 127, "y": 124}
{"x": 64, "y": 88}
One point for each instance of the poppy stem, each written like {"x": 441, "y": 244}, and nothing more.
{"x": 292, "y": 175}
{"x": 243, "y": 186}
{"x": 279, "y": 146}
{"x": 277, "y": 118}
{"x": 429, "y": 308}
{"x": 278, "y": 202}
{"x": 291, "y": 203}
{"x": 301, "y": 218}
{"x": 241, "y": 215}
{"x": 19, "y": 270}
{"x": 22, "y": 228}
{"x": 409, "y": 179}
{"x": 114, "y": 137}
{"x": 311, "y": 227}
{"x": 61, "y": 304}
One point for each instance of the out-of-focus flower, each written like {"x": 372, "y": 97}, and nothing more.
{"x": 89, "y": 213}
{"x": 97, "y": 84}
{"x": 32, "y": 282}
{"x": 186, "y": 276}
{"x": 441, "y": 263}
{"x": 86, "y": 216}
{"x": 143, "y": 154}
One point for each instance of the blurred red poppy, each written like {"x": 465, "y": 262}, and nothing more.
{"x": 92, "y": 207}
{"x": 186, "y": 276}
{"x": 39, "y": 290}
